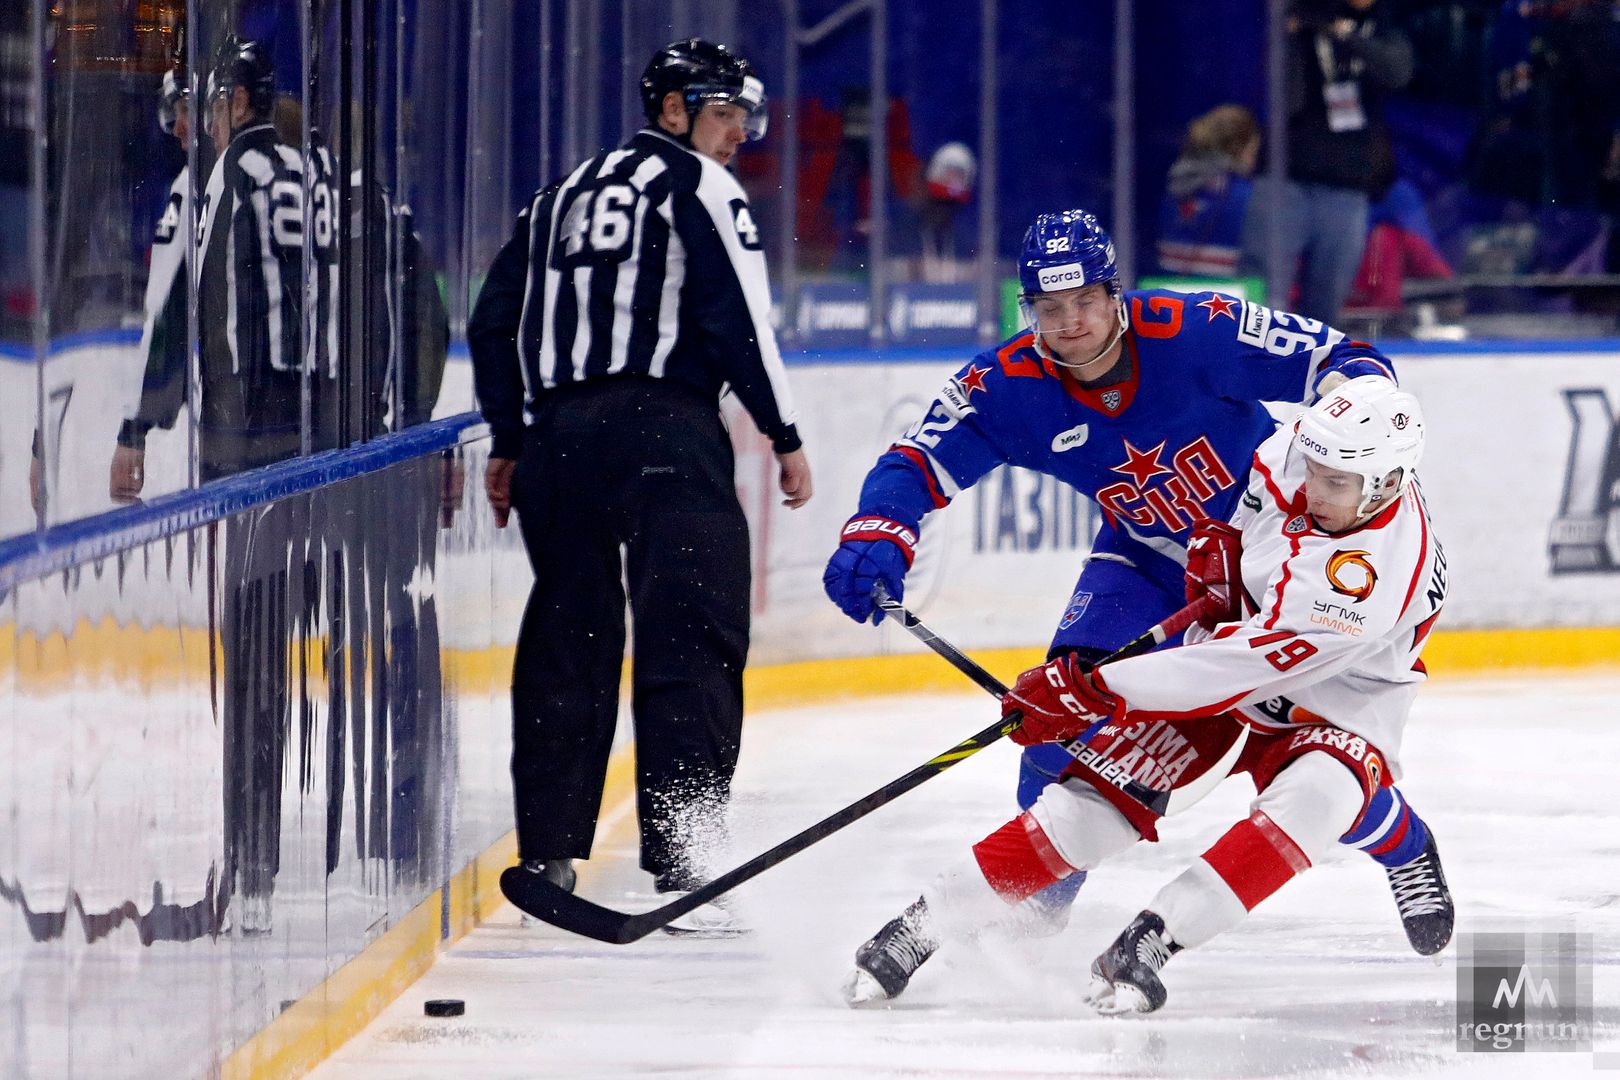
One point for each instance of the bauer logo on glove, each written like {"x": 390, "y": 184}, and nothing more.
{"x": 872, "y": 550}
{"x": 876, "y": 528}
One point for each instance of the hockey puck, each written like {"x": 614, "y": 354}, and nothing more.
{"x": 444, "y": 1007}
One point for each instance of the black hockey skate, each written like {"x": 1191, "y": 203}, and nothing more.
{"x": 1424, "y": 901}
{"x": 885, "y": 964}
{"x": 560, "y": 872}
{"x": 1125, "y": 978}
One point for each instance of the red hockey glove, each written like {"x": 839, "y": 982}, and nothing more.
{"x": 1058, "y": 700}
{"x": 1215, "y": 572}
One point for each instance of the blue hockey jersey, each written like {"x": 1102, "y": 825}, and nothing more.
{"x": 1171, "y": 444}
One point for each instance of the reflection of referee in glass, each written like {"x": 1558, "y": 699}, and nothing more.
{"x": 249, "y": 303}
{"x": 250, "y": 292}
{"x": 163, "y": 338}
{"x": 631, "y": 295}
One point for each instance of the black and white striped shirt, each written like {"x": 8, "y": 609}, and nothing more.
{"x": 250, "y": 285}
{"x": 644, "y": 261}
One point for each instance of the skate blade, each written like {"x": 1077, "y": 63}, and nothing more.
{"x": 707, "y": 933}
{"x": 1432, "y": 943}
{"x": 1123, "y": 1000}
{"x": 862, "y": 991}
{"x": 1099, "y": 996}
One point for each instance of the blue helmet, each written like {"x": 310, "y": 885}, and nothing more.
{"x": 1066, "y": 250}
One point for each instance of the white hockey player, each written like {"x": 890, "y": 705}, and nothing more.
{"x": 1324, "y": 611}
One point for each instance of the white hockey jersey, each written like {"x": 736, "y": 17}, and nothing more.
{"x": 164, "y": 327}
{"x": 1336, "y": 622}
{"x": 169, "y": 242}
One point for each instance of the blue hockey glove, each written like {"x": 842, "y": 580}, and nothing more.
{"x": 874, "y": 549}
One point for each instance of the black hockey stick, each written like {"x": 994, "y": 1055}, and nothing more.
{"x": 1163, "y": 803}
{"x": 534, "y": 894}
{"x": 539, "y": 897}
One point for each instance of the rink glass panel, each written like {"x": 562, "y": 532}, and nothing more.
{"x": 86, "y": 196}
{"x": 239, "y": 754}
{"x": 422, "y": 127}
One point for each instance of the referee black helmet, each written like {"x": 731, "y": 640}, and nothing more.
{"x": 702, "y": 71}
{"x": 245, "y": 63}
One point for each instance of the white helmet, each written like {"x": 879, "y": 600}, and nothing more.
{"x": 1367, "y": 426}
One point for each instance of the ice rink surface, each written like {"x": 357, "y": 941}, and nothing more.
{"x": 1519, "y": 778}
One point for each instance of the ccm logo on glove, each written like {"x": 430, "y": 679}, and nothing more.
{"x": 1058, "y": 701}
{"x": 1215, "y": 572}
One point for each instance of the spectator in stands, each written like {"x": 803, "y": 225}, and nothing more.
{"x": 1556, "y": 105}
{"x": 1201, "y": 220}
{"x": 949, "y": 188}
{"x": 1400, "y": 245}
{"x": 1343, "y": 59}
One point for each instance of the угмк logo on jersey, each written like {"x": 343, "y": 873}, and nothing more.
{"x": 1351, "y": 574}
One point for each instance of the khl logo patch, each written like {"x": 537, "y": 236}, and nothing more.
{"x": 1077, "y": 607}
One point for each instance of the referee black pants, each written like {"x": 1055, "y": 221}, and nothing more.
{"x": 646, "y": 466}
{"x": 262, "y": 583}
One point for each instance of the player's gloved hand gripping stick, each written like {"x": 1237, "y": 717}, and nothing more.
{"x": 545, "y": 901}
{"x": 1163, "y": 803}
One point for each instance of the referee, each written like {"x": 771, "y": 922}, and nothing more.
{"x": 250, "y": 243}
{"x": 631, "y": 295}
{"x": 249, "y": 386}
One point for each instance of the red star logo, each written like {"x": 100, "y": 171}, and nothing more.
{"x": 973, "y": 380}
{"x": 1220, "y": 305}
{"x": 1141, "y": 467}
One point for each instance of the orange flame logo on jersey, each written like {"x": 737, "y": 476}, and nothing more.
{"x": 1362, "y": 576}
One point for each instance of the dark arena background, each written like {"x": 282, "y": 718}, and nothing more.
{"x": 255, "y": 722}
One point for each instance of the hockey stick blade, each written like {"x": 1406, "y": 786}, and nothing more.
{"x": 1179, "y": 798}
{"x": 1163, "y": 803}
{"x": 532, "y": 893}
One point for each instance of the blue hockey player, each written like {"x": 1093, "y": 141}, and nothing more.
{"x": 1149, "y": 403}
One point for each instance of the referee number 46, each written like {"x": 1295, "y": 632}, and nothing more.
{"x": 598, "y": 226}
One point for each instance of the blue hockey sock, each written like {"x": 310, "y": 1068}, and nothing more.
{"x": 1037, "y": 767}
{"x": 1059, "y": 894}
{"x": 1032, "y": 780}
{"x": 1390, "y": 831}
